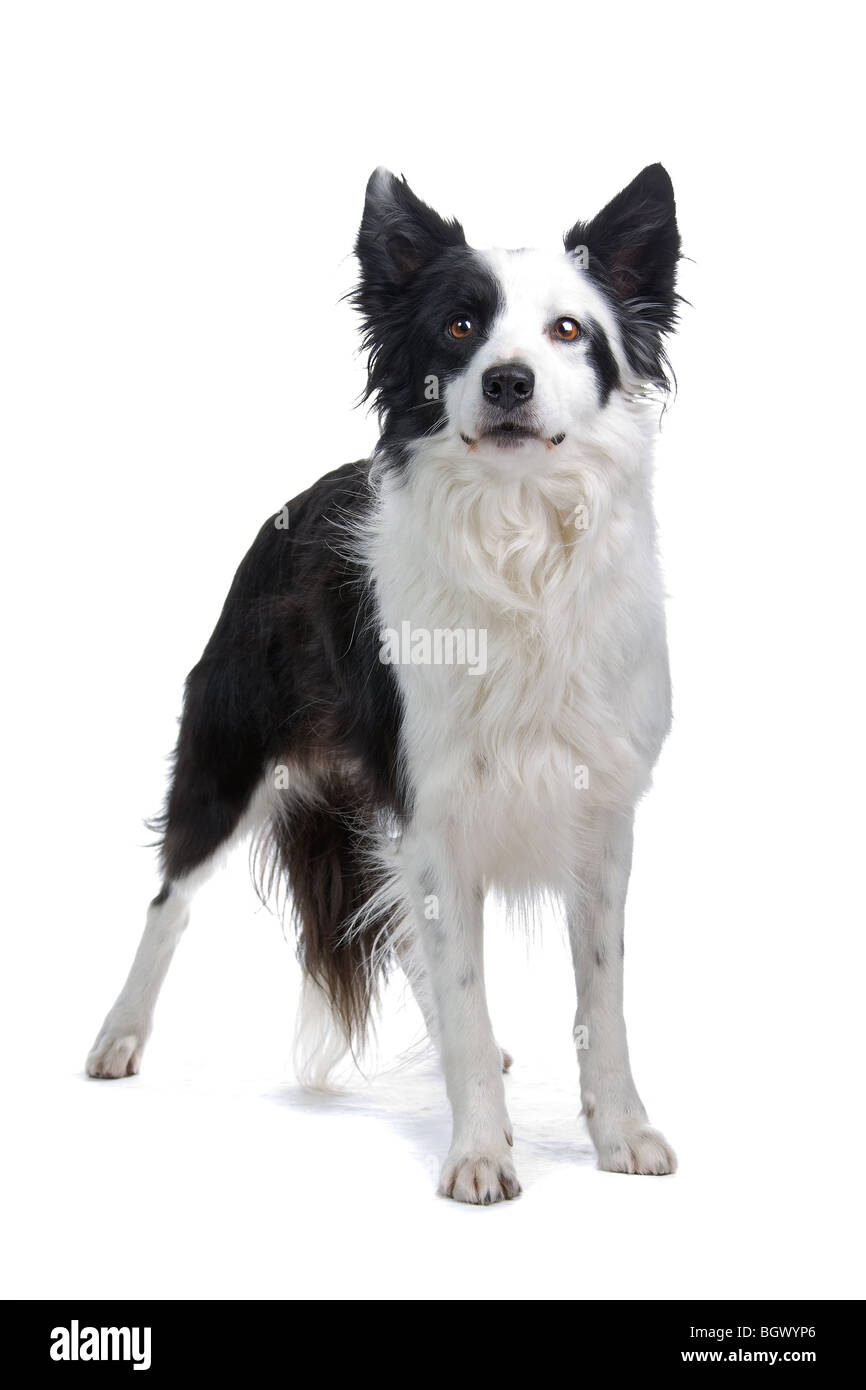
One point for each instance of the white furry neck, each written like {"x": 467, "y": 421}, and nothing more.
{"x": 518, "y": 542}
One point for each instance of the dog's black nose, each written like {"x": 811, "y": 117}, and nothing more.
{"x": 509, "y": 385}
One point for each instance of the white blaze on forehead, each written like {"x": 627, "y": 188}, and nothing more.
{"x": 538, "y": 287}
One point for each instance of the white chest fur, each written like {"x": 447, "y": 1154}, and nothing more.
{"x": 548, "y": 588}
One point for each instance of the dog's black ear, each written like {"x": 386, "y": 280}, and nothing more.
{"x": 635, "y": 237}
{"x": 632, "y": 247}
{"x": 399, "y": 234}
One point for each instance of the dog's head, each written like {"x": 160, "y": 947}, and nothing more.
{"x": 509, "y": 354}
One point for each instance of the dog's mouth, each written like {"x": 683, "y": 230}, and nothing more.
{"x": 509, "y": 435}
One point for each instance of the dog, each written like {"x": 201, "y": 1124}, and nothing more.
{"x": 442, "y": 672}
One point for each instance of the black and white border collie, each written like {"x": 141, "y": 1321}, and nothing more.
{"x": 443, "y": 671}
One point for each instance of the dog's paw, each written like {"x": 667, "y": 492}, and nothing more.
{"x": 635, "y": 1149}
{"x": 115, "y": 1053}
{"x": 479, "y": 1178}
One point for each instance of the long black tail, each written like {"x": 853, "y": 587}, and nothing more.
{"x": 319, "y": 851}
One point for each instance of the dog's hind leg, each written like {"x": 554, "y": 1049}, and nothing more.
{"x": 127, "y": 1026}
{"x": 218, "y": 794}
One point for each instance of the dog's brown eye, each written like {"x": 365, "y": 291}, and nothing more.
{"x": 566, "y": 330}
{"x": 460, "y": 328}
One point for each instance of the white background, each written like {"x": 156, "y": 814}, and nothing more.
{"x": 181, "y": 187}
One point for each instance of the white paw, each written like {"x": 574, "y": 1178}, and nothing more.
{"x": 479, "y": 1178}
{"x": 635, "y": 1148}
{"x": 116, "y": 1052}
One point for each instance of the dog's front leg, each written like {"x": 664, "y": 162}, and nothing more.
{"x": 618, "y": 1124}
{"x": 450, "y": 912}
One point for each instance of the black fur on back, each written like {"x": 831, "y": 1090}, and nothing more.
{"x": 291, "y": 677}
